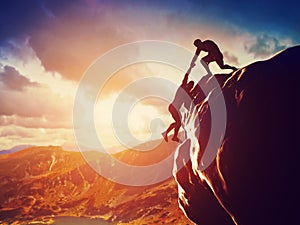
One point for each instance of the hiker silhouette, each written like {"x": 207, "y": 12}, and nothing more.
{"x": 187, "y": 93}
{"x": 214, "y": 54}
{"x": 182, "y": 97}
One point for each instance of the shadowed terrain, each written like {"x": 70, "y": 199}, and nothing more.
{"x": 253, "y": 178}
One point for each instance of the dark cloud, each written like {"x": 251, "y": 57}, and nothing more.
{"x": 81, "y": 35}
{"x": 21, "y": 18}
{"x": 18, "y": 17}
{"x": 16, "y": 47}
{"x": 251, "y": 16}
{"x": 264, "y": 46}
{"x": 13, "y": 80}
{"x": 24, "y": 17}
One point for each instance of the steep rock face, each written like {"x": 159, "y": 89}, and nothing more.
{"x": 253, "y": 178}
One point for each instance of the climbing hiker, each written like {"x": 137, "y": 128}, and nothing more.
{"x": 182, "y": 97}
{"x": 214, "y": 54}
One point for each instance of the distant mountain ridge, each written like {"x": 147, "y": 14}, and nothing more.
{"x": 14, "y": 149}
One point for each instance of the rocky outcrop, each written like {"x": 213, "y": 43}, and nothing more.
{"x": 253, "y": 178}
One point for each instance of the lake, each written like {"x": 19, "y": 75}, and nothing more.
{"x": 69, "y": 220}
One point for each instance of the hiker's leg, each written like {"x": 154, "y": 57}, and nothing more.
{"x": 226, "y": 66}
{"x": 176, "y": 130}
{"x": 165, "y": 134}
{"x": 176, "y": 117}
{"x": 172, "y": 125}
{"x": 220, "y": 62}
{"x": 174, "y": 113}
{"x": 229, "y": 67}
{"x": 176, "y": 125}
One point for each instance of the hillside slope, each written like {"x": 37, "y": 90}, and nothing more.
{"x": 41, "y": 183}
{"x": 253, "y": 178}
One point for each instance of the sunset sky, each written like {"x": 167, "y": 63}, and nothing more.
{"x": 46, "y": 46}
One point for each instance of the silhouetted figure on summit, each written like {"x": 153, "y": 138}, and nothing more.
{"x": 182, "y": 97}
{"x": 187, "y": 93}
{"x": 214, "y": 54}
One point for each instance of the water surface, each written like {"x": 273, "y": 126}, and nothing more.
{"x": 69, "y": 220}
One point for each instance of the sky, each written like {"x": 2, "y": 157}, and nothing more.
{"x": 46, "y": 46}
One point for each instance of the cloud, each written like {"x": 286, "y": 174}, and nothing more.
{"x": 29, "y": 96}
{"x": 33, "y": 102}
{"x": 17, "y": 17}
{"x": 12, "y": 79}
{"x": 81, "y": 35}
{"x": 36, "y": 105}
{"x": 13, "y": 131}
{"x": 265, "y": 45}
{"x": 24, "y": 120}
{"x": 15, "y": 135}
{"x": 46, "y": 121}
{"x": 230, "y": 58}
{"x": 37, "y": 97}
{"x": 70, "y": 45}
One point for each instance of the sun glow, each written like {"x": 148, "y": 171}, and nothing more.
{"x": 145, "y": 117}
{"x": 56, "y": 63}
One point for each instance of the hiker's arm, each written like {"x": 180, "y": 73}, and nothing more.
{"x": 197, "y": 53}
{"x": 185, "y": 79}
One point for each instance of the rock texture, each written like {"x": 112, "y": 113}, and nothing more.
{"x": 254, "y": 177}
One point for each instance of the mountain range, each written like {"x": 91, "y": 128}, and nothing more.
{"x": 45, "y": 185}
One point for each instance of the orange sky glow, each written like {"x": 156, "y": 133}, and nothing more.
{"x": 53, "y": 60}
